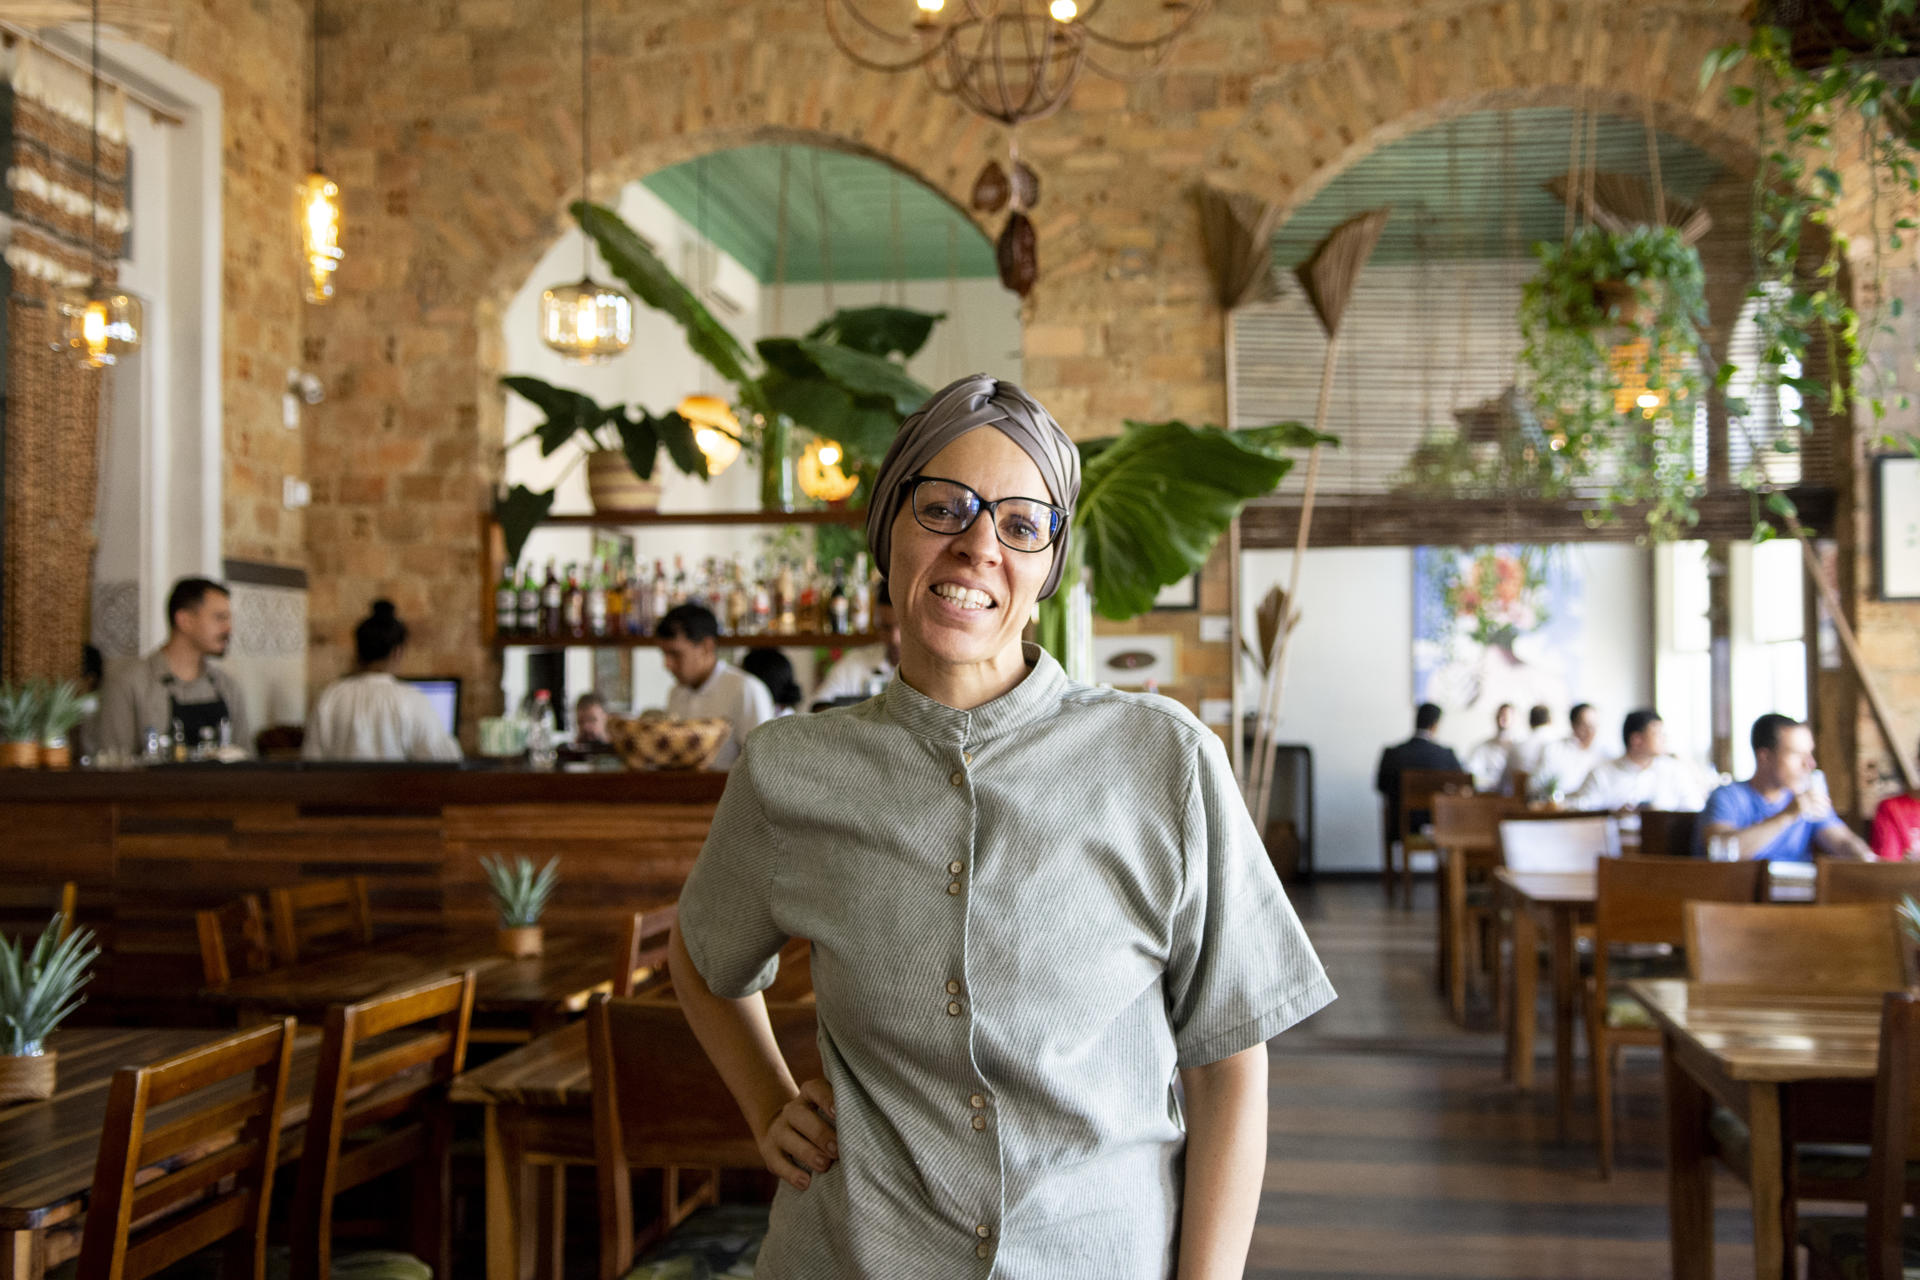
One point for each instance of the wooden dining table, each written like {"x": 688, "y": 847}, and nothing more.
{"x": 539, "y": 991}
{"x": 1565, "y": 900}
{"x": 1796, "y": 1066}
{"x": 48, "y": 1148}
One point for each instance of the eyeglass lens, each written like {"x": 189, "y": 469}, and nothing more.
{"x": 1021, "y": 523}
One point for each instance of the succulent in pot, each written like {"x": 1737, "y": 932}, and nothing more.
{"x": 520, "y": 894}
{"x": 20, "y": 725}
{"x": 62, "y": 707}
{"x": 39, "y": 987}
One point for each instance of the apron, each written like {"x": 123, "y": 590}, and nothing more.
{"x": 192, "y": 717}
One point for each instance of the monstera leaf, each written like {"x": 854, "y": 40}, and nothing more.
{"x": 643, "y": 271}
{"x": 642, "y": 437}
{"x": 518, "y": 511}
{"x": 568, "y": 412}
{"x": 878, "y": 331}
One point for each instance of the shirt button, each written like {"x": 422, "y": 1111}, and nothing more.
{"x": 983, "y": 1231}
{"x": 976, "y": 1101}
{"x": 953, "y": 987}
{"x": 956, "y": 867}
{"x": 957, "y": 778}
{"x": 979, "y": 1123}
{"x": 953, "y": 1008}
{"x": 967, "y": 756}
{"x": 953, "y": 886}
{"x": 981, "y": 1251}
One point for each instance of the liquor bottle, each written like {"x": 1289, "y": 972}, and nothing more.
{"x": 529, "y": 618}
{"x": 661, "y": 595}
{"x": 506, "y": 605}
{"x": 739, "y": 603}
{"x": 809, "y": 617}
{"x": 862, "y": 596}
{"x": 682, "y": 589}
{"x": 597, "y": 599}
{"x": 635, "y": 617}
{"x": 785, "y": 607}
{"x": 617, "y": 597}
{"x": 839, "y": 608}
{"x": 762, "y": 600}
{"x": 574, "y": 604}
{"x": 552, "y": 604}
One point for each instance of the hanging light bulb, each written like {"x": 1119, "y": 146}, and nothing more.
{"x": 317, "y": 207}
{"x": 98, "y": 324}
{"x": 822, "y": 473}
{"x": 587, "y": 322}
{"x": 1063, "y": 10}
{"x": 715, "y": 430}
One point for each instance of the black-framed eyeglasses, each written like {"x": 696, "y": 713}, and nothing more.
{"x": 947, "y": 506}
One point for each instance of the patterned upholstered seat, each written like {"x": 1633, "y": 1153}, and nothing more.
{"x": 722, "y": 1240}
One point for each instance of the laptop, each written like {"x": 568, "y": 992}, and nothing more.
{"x": 443, "y": 692}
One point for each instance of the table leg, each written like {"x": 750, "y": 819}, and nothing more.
{"x": 1565, "y": 972}
{"x": 1766, "y": 1176}
{"x": 1689, "y": 1172}
{"x": 1520, "y": 1009}
{"x": 23, "y": 1255}
{"x": 505, "y": 1260}
{"x": 552, "y": 1182}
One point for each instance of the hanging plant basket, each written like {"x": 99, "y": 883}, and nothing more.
{"x": 1622, "y": 303}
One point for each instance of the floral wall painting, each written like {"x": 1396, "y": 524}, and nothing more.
{"x": 1495, "y": 624}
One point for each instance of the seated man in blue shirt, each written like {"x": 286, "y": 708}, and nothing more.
{"x": 1779, "y": 815}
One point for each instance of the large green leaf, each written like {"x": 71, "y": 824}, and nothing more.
{"x": 1154, "y": 501}
{"x": 860, "y": 374}
{"x": 567, "y": 412}
{"x": 643, "y": 271}
{"x": 675, "y": 433}
{"x": 878, "y": 331}
{"x": 863, "y": 426}
{"x": 518, "y": 512}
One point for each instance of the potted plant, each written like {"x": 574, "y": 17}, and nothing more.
{"x": 20, "y": 725}
{"x": 39, "y": 987}
{"x": 63, "y": 706}
{"x": 520, "y": 893}
{"x": 1611, "y": 323}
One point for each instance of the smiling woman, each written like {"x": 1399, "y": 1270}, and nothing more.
{"x": 998, "y": 1056}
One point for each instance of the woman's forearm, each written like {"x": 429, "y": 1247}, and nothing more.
{"x": 738, "y": 1038}
{"x": 1226, "y": 1163}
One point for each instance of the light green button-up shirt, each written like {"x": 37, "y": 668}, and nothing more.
{"x": 1026, "y": 918}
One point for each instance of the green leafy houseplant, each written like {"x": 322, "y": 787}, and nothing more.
{"x": 39, "y": 988}
{"x": 62, "y": 707}
{"x": 520, "y": 895}
{"x": 1611, "y": 325}
{"x": 20, "y": 724}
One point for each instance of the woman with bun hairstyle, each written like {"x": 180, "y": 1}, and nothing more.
{"x": 369, "y": 715}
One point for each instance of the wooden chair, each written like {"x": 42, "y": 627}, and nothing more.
{"x": 26, "y": 908}
{"x": 383, "y": 1111}
{"x": 659, "y": 1104}
{"x": 1642, "y": 901}
{"x": 1418, "y": 787}
{"x": 220, "y": 1144}
{"x": 643, "y": 951}
{"x": 1557, "y": 843}
{"x": 1855, "y": 947}
{"x": 1835, "y": 881}
{"x": 1884, "y": 1245}
{"x": 237, "y": 930}
{"x": 326, "y": 912}
{"x": 1466, "y": 834}
{"x": 1667, "y": 833}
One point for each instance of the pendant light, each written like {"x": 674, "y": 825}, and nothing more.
{"x": 99, "y": 323}
{"x": 317, "y": 209}
{"x": 587, "y": 322}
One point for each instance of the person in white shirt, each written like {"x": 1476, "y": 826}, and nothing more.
{"x": 863, "y": 671}
{"x": 1566, "y": 764}
{"x": 1524, "y": 756}
{"x": 1645, "y": 777}
{"x": 704, "y": 686}
{"x": 369, "y": 715}
{"x": 1488, "y": 761}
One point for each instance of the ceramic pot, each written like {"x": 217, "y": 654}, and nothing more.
{"x": 612, "y": 486}
{"x": 521, "y": 942}
{"x": 19, "y": 755}
{"x": 27, "y": 1079}
{"x": 56, "y": 754}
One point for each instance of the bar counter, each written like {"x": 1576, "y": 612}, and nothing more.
{"x": 147, "y": 848}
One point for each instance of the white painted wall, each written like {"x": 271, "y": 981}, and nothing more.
{"x": 1350, "y": 670}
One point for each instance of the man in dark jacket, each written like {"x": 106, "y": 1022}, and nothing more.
{"x": 1420, "y": 751}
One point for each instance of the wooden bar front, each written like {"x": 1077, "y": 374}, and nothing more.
{"x": 149, "y": 848}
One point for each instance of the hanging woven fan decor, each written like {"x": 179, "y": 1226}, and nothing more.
{"x": 52, "y": 408}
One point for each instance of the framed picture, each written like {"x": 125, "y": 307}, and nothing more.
{"x": 1132, "y": 662}
{"x": 1181, "y": 595}
{"x": 1896, "y": 527}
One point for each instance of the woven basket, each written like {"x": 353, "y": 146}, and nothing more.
{"x": 657, "y": 742}
{"x": 26, "y": 1079}
{"x": 612, "y": 486}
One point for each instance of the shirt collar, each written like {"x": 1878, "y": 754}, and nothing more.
{"x": 163, "y": 674}
{"x": 1035, "y": 696}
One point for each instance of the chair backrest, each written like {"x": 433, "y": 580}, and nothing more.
{"x": 1471, "y": 823}
{"x": 1896, "y": 1132}
{"x": 1837, "y": 881}
{"x": 1643, "y": 900}
{"x": 1667, "y": 833}
{"x": 643, "y": 952}
{"x": 659, "y": 1103}
{"x": 1418, "y": 787}
{"x": 319, "y": 914}
{"x": 1558, "y": 844}
{"x": 377, "y": 1106}
{"x": 1857, "y": 947}
{"x": 219, "y": 1137}
{"x": 235, "y": 934}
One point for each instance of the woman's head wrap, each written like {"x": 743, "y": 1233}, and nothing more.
{"x": 959, "y": 407}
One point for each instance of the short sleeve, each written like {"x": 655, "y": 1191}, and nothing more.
{"x": 726, "y": 907}
{"x": 1240, "y": 969}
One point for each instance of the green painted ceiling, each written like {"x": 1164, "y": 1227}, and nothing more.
{"x": 1472, "y": 187}
{"x": 741, "y": 215}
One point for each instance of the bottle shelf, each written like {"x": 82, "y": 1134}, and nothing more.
{"x": 604, "y": 519}
{"x": 806, "y": 640}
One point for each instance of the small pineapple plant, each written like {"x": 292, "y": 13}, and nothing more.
{"x": 1909, "y": 913}
{"x": 20, "y": 725}
{"x": 62, "y": 707}
{"x": 39, "y": 987}
{"x": 520, "y": 893}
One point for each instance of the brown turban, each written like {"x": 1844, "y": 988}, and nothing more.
{"x": 966, "y": 405}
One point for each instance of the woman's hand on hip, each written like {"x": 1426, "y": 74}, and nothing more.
{"x": 799, "y": 1139}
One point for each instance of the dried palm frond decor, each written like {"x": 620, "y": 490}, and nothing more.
{"x": 39, "y": 986}
{"x": 520, "y": 893}
{"x": 1328, "y": 277}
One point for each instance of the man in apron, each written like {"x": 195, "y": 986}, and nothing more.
{"x": 174, "y": 694}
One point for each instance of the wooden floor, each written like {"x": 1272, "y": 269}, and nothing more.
{"x": 1397, "y": 1152}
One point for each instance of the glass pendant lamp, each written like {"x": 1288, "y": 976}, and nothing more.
{"x": 98, "y": 324}
{"x": 319, "y": 217}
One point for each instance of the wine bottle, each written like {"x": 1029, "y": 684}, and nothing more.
{"x": 506, "y": 605}
{"x": 574, "y": 604}
{"x": 529, "y": 616}
{"x": 597, "y": 599}
{"x": 552, "y": 603}
{"x": 839, "y": 608}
